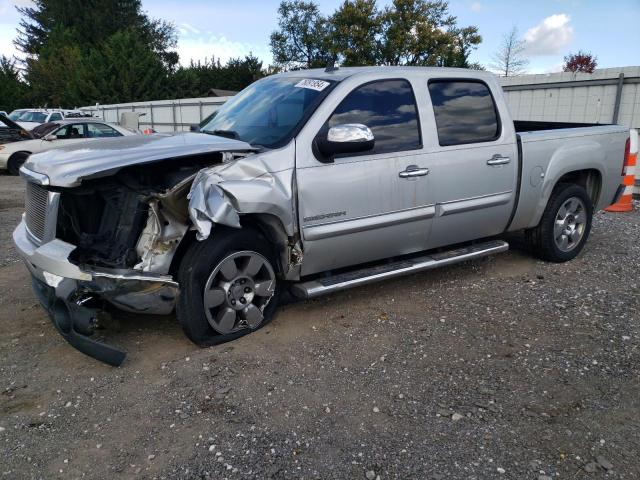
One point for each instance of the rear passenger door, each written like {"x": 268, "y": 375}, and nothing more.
{"x": 362, "y": 207}
{"x": 474, "y": 162}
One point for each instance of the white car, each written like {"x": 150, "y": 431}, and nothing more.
{"x": 15, "y": 114}
{"x": 30, "y": 119}
{"x": 56, "y": 134}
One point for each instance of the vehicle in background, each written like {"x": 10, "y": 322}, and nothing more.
{"x": 313, "y": 181}
{"x": 3, "y": 113}
{"x": 15, "y": 114}
{"x": 78, "y": 114}
{"x": 11, "y": 131}
{"x": 56, "y": 134}
{"x": 32, "y": 118}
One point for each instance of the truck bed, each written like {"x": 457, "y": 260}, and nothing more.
{"x": 548, "y": 150}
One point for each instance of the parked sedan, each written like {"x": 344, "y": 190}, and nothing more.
{"x": 56, "y": 134}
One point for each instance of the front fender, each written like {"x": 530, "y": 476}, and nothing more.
{"x": 222, "y": 194}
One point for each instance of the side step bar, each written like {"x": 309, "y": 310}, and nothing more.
{"x": 364, "y": 276}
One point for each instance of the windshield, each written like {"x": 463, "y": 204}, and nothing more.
{"x": 15, "y": 115}
{"x": 268, "y": 112}
{"x": 37, "y": 117}
{"x": 44, "y": 129}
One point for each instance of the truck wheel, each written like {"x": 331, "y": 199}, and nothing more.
{"x": 565, "y": 224}
{"x": 228, "y": 286}
{"x": 16, "y": 161}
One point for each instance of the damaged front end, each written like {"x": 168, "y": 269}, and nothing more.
{"x": 110, "y": 241}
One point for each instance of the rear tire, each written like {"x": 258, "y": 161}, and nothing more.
{"x": 16, "y": 161}
{"x": 565, "y": 224}
{"x": 228, "y": 286}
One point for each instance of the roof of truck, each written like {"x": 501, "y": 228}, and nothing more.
{"x": 342, "y": 73}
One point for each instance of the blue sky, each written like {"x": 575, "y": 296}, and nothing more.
{"x": 552, "y": 28}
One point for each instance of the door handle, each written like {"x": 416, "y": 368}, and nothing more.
{"x": 413, "y": 171}
{"x": 498, "y": 159}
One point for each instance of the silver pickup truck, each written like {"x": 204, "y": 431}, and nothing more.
{"x": 310, "y": 181}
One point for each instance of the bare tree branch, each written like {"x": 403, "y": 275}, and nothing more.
{"x": 509, "y": 60}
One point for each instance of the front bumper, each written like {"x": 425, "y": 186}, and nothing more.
{"x": 64, "y": 289}
{"x": 4, "y": 160}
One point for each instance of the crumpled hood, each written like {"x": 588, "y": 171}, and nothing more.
{"x": 67, "y": 166}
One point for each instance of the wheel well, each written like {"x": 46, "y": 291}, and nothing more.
{"x": 589, "y": 179}
{"x": 15, "y": 154}
{"x": 268, "y": 225}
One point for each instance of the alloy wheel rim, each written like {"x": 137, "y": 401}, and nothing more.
{"x": 237, "y": 292}
{"x": 570, "y": 224}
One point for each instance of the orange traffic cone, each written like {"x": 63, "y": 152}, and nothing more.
{"x": 625, "y": 204}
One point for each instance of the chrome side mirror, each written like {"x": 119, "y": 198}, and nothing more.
{"x": 346, "y": 138}
{"x": 50, "y": 137}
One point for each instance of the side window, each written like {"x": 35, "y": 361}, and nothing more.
{"x": 55, "y": 116}
{"x": 388, "y": 108}
{"x": 100, "y": 130}
{"x": 69, "y": 132}
{"x": 465, "y": 112}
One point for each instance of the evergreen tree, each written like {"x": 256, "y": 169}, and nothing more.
{"x": 122, "y": 70}
{"x": 13, "y": 90}
{"x": 82, "y": 51}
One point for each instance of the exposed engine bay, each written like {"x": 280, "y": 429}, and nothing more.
{"x": 134, "y": 219}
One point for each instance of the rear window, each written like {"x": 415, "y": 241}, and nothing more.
{"x": 465, "y": 112}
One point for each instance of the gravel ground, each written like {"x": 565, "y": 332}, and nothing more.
{"x": 11, "y": 208}
{"x": 505, "y": 367}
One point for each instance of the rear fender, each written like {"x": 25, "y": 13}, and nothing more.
{"x": 573, "y": 157}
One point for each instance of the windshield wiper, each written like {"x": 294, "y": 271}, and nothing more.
{"x": 226, "y": 133}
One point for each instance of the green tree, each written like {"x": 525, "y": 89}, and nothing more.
{"x": 89, "y": 23}
{"x": 240, "y": 72}
{"x": 303, "y": 38}
{"x": 53, "y": 74}
{"x": 464, "y": 41}
{"x": 416, "y": 32}
{"x": 356, "y": 30}
{"x": 407, "y": 32}
{"x": 122, "y": 70}
{"x": 199, "y": 77}
{"x": 12, "y": 89}
{"x": 82, "y": 51}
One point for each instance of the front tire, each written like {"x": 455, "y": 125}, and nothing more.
{"x": 16, "y": 161}
{"x": 565, "y": 224}
{"x": 228, "y": 286}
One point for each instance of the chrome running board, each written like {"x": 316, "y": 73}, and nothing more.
{"x": 364, "y": 276}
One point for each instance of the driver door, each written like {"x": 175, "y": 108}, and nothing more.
{"x": 360, "y": 207}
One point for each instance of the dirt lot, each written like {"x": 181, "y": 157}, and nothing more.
{"x": 505, "y": 367}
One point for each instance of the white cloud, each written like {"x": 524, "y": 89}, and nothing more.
{"x": 476, "y": 6}
{"x": 195, "y": 46}
{"x": 550, "y": 36}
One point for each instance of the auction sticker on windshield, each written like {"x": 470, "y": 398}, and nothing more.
{"x": 317, "y": 85}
